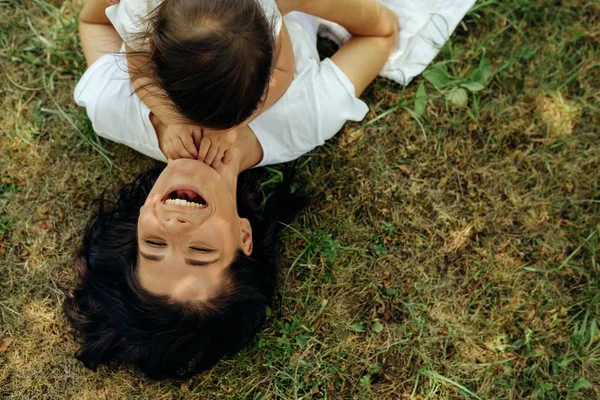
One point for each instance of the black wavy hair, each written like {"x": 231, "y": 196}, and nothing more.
{"x": 115, "y": 319}
{"x": 212, "y": 58}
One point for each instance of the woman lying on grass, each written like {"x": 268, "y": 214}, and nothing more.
{"x": 179, "y": 271}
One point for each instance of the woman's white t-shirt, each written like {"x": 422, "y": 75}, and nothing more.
{"x": 130, "y": 19}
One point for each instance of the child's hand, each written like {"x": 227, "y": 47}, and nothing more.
{"x": 178, "y": 141}
{"x": 217, "y": 146}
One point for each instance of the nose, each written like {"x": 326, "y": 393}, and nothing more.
{"x": 176, "y": 225}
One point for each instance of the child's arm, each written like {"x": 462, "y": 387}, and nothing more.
{"x": 178, "y": 140}
{"x": 93, "y": 16}
{"x": 153, "y": 96}
{"x": 96, "y": 32}
{"x": 98, "y": 38}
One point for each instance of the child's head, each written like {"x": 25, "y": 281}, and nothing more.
{"x": 213, "y": 58}
{"x": 116, "y": 318}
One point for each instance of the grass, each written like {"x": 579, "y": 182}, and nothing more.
{"x": 451, "y": 250}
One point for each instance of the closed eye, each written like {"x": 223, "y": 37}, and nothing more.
{"x": 201, "y": 249}
{"x": 154, "y": 243}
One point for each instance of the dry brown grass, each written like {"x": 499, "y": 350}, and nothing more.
{"x": 450, "y": 261}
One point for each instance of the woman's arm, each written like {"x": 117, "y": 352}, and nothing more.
{"x": 375, "y": 34}
{"x": 359, "y": 17}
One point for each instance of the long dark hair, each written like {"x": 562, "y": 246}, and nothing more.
{"x": 116, "y": 319}
{"x": 213, "y": 58}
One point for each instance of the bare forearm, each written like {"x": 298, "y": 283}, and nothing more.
{"x": 97, "y": 35}
{"x": 157, "y": 101}
{"x": 151, "y": 95}
{"x": 98, "y": 40}
{"x": 359, "y": 17}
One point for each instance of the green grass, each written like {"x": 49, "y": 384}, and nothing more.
{"x": 451, "y": 250}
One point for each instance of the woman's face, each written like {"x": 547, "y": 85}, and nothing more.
{"x": 189, "y": 231}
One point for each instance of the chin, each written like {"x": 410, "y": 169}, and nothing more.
{"x": 184, "y": 161}
{"x": 188, "y": 165}
{"x": 186, "y": 170}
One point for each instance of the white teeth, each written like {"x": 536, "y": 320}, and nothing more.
{"x": 182, "y": 202}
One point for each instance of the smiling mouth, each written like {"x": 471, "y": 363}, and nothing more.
{"x": 186, "y": 197}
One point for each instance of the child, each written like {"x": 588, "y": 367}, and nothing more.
{"x": 204, "y": 68}
{"x": 320, "y": 99}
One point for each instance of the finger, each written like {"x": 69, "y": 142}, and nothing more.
{"x": 180, "y": 148}
{"x": 227, "y": 156}
{"x": 204, "y": 147}
{"x": 174, "y": 152}
{"x": 197, "y": 136}
{"x": 212, "y": 153}
{"x": 169, "y": 151}
{"x": 232, "y": 138}
{"x": 111, "y": 2}
{"x": 188, "y": 143}
{"x": 216, "y": 163}
{"x": 218, "y": 159}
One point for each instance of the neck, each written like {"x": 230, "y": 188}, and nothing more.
{"x": 247, "y": 152}
{"x": 248, "y": 148}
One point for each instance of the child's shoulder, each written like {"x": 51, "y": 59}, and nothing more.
{"x": 130, "y": 19}
{"x": 272, "y": 13}
{"x": 139, "y": 8}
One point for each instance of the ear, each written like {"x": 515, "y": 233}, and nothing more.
{"x": 245, "y": 236}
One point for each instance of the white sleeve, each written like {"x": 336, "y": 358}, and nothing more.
{"x": 273, "y": 15}
{"x": 116, "y": 112}
{"x": 315, "y": 106}
{"x": 129, "y": 17}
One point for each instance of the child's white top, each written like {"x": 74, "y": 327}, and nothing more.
{"x": 318, "y": 102}
{"x": 129, "y": 17}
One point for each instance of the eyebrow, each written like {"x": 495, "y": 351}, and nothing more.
{"x": 151, "y": 257}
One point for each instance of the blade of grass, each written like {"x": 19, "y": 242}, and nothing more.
{"x": 442, "y": 379}
{"x": 62, "y": 113}
{"x": 574, "y": 252}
